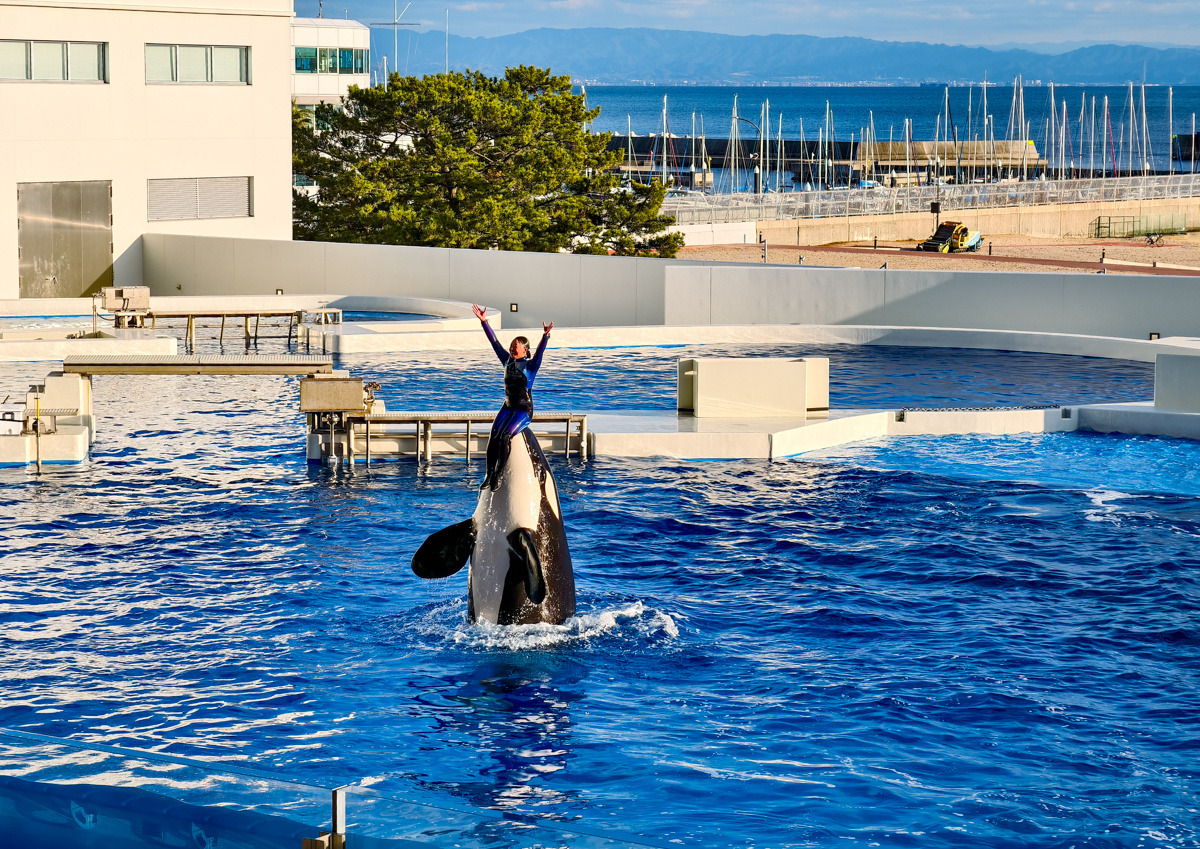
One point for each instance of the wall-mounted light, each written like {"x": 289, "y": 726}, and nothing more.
{"x": 278, "y": 291}
{"x": 512, "y": 307}
{"x": 1153, "y": 337}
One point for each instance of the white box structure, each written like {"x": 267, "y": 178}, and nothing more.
{"x": 1177, "y": 382}
{"x": 753, "y": 387}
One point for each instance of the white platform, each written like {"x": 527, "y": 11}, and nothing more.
{"x": 639, "y": 434}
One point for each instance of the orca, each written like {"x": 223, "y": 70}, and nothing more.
{"x": 520, "y": 562}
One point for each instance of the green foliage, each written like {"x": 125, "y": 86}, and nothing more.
{"x": 470, "y": 161}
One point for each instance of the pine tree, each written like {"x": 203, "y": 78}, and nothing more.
{"x": 469, "y": 161}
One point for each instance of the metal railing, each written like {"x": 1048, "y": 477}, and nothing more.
{"x": 1123, "y": 226}
{"x": 728, "y": 209}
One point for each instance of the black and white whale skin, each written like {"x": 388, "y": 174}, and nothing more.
{"x": 520, "y": 563}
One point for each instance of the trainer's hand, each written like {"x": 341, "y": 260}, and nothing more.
{"x": 480, "y": 312}
{"x": 546, "y": 328}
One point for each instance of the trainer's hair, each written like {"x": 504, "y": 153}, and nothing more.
{"x": 520, "y": 339}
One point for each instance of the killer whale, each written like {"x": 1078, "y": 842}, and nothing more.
{"x": 520, "y": 561}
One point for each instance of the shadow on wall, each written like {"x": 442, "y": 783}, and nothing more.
{"x": 1126, "y": 306}
{"x": 528, "y": 288}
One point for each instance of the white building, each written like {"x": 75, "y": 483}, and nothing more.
{"x": 123, "y": 119}
{"x": 330, "y": 56}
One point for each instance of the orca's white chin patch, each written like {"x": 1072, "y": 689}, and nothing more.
{"x": 514, "y": 503}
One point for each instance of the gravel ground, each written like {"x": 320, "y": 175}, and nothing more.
{"x": 1183, "y": 250}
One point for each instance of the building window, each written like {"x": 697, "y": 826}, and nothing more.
{"x": 306, "y": 60}
{"x": 54, "y": 61}
{"x": 327, "y": 60}
{"x": 199, "y": 197}
{"x": 332, "y": 60}
{"x": 196, "y": 63}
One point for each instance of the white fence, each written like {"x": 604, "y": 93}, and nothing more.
{"x": 725, "y": 209}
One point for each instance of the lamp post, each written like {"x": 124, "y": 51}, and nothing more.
{"x": 756, "y": 158}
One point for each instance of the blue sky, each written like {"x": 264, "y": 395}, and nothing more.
{"x": 981, "y": 22}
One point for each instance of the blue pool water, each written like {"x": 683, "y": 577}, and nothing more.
{"x": 869, "y": 376}
{"x": 927, "y": 642}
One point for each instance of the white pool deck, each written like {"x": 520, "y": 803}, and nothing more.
{"x": 625, "y": 433}
{"x": 685, "y": 437}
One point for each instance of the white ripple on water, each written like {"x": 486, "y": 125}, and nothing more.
{"x": 1103, "y": 508}
{"x": 634, "y": 618}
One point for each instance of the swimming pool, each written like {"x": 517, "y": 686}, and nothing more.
{"x": 983, "y": 641}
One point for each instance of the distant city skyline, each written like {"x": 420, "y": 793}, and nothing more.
{"x": 985, "y": 24}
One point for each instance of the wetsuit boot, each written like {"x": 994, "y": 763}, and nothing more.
{"x": 498, "y": 449}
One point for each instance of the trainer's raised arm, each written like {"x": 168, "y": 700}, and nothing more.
{"x": 481, "y": 314}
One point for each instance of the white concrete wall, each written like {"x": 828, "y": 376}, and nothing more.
{"x": 571, "y": 289}
{"x": 595, "y": 291}
{"x": 1130, "y": 306}
{"x": 128, "y": 131}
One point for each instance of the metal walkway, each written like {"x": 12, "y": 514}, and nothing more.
{"x": 195, "y": 364}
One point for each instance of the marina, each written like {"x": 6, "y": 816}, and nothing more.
{"x": 822, "y": 137}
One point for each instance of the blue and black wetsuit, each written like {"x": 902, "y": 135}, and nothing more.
{"x": 517, "y": 412}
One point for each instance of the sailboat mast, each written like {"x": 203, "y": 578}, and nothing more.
{"x": 692, "y": 155}
{"x": 1092, "y": 142}
{"x": 780, "y": 165}
{"x": 763, "y": 159}
{"x": 1133, "y": 122}
{"x": 937, "y": 135}
{"x": 1170, "y": 129}
{"x": 735, "y": 144}
{"x": 664, "y": 142}
{"x": 873, "y": 151}
{"x": 1082, "y": 124}
{"x": 629, "y": 148}
{"x": 1145, "y": 135}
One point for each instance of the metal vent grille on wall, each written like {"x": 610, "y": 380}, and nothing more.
{"x": 198, "y": 197}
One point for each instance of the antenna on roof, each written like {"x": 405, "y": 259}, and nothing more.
{"x": 395, "y": 24}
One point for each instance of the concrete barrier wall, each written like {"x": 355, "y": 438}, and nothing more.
{"x": 592, "y": 291}
{"x": 1051, "y": 221}
{"x": 1130, "y": 306}
{"x": 572, "y": 289}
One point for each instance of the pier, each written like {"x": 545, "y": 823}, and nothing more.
{"x": 286, "y": 364}
{"x": 130, "y": 307}
{"x": 348, "y": 424}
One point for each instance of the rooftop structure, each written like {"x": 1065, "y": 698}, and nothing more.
{"x": 330, "y": 56}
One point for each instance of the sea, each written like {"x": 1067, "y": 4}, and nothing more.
{"x": 799, "y": 112}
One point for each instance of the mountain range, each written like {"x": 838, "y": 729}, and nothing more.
{"x": 672, "y": 57}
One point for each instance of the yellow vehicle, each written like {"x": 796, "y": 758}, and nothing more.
{"x": 952, "y": 237}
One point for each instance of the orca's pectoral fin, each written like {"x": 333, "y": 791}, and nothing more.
{"x": 445, "y": 552}
{"x": 523, "y": 558}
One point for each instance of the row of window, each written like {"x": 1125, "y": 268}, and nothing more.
{"x": 332, "y": 60}
{"x": 81, "y": 61}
